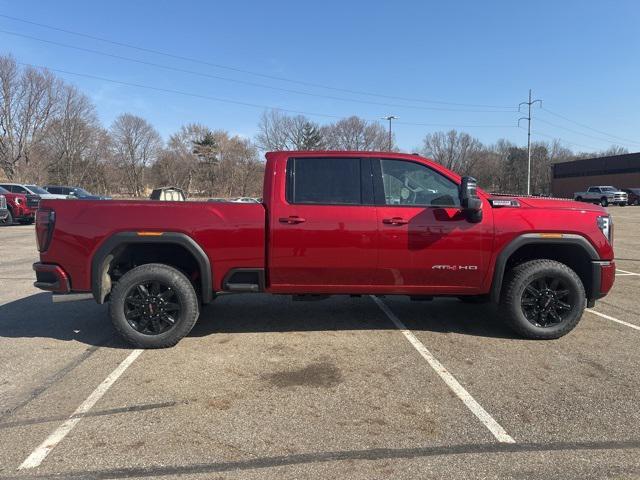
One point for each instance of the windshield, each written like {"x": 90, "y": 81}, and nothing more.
{"x": 4, "y": 190}
{"x": 81, "y": 192}
{"x": 37, "y": 189}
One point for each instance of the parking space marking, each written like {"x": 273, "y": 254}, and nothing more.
{"x": 494, "y": 427}
{"x": 625, "y": 273}
{"x": 40, "y": 453}
{"x": 622, "y": 322}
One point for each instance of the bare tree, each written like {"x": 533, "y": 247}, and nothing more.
{"x": 135, "y": 145}
{"x": 354, "y": 133}
{"x": 28, "y": 98}
{"x": 456, "y": 151}
{"x": 74, "y": 141}
{"x": 277, "y": 131}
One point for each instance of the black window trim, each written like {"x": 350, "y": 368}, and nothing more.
{"x": 366, "y": 187}
{"x": 378, "y": 186}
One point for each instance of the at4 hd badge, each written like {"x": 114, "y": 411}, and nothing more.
{"x": 454, "y": 268}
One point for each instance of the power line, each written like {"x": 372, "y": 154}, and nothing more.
{"x": 583, "y": 134}
{"x": 588, "y": 127}
{"x": 555, "y": 137}
{"x": 209, "y": 97}
{"x": 249, "y": 72}
{"x": 253, "y": 84}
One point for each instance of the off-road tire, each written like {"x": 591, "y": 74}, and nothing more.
{"x": 168, "y": 276}
{"x": 519, "y": 278}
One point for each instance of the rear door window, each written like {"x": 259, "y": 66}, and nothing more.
{"x": 325, "y": 181}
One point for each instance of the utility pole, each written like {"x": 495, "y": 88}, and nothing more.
{"x": 390, "y": 117}
{"x": 528, "y": 119}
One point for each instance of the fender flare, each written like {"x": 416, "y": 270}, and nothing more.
{"x": 534, "y": 238}
{"x": 127, "y": 238}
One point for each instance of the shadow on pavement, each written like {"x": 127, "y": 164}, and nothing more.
{"x": 262, "y": 313}
{"x": 36, "y": 316}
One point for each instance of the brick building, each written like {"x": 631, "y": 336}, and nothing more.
{"x": 622, "y": 171}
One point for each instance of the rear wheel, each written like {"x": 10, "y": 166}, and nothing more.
{"x": 153, "y": 306}
{"x": 542, "y": 299}
{"x": 578, "y": 199}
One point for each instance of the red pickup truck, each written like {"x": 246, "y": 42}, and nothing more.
{"x": 330, "y": 223}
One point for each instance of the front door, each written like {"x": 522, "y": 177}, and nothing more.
{"x": 324, "y": 231}
{"x": 426, "y": 243}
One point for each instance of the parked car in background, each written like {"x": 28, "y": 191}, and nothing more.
{"x": 603, "y": 194}
{"x": 244, "y": 200}
{"x": 4, "y": 211}
{"x": 74, "y": 192}
{"x": 169, "y": 194}
{"x": 22, "y": 206}
{"x": 31, "y": 189}
{"x": 633, "y": 195}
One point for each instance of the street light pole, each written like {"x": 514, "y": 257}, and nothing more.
{"x": 389, "y": 118}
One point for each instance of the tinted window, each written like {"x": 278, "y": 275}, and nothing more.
{"x": 594, "y": 190}
{"x": 18, "y": 189}
{"x": 324, "y": 181}
{"x": 3, "y": 190}
{"x": 410, "y": 183}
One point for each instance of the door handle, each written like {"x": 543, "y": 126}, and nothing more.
{"x": 395, "y": 221}
{"x": 292, "y": 220}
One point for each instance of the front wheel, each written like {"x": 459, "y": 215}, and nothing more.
{"x": 154, "y": 306}
{"x": 604, "y": 202}
{"x": 542, "y": 299}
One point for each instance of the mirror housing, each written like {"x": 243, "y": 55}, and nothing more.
{"x": 469, "y": 200}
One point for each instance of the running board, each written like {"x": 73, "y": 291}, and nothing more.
{"x": 70, "y": 297}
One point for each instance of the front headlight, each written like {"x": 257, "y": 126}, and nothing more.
{"x": 605, "y": 224}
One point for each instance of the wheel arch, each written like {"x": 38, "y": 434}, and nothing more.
{"x": 575, "y": 247}
{"x": 105, "y": 254}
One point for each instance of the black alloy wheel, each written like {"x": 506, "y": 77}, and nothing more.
{"x": 152, "y": 308}
{"x": 546, "y": 301}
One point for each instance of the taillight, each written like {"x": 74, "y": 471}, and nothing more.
{"x": 45, "y": 221}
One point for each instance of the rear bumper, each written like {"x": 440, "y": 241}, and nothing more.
{"x": 603, "y": 276}
{"x": 51, "y": 278}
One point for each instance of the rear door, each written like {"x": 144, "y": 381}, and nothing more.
{"x": 427, "y": 245}
{"x": 323, "y": 231}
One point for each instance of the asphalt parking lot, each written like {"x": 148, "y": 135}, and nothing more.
{"x": 265, "y": 387}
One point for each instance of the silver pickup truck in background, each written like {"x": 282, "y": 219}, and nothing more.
{"x": 602, "y": 194}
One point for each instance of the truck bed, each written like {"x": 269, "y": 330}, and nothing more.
{"x": 231, "y": 234}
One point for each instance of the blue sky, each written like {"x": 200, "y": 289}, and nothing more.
{"x": 581, "y": 57}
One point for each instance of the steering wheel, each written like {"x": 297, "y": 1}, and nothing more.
{"x": 414, "y": 191}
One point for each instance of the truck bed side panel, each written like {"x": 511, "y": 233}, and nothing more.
{"x": 231, "y": 234}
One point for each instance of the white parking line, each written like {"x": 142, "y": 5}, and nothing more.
{"x": 40, "y": 453}
{"x": 494, "y": 427}
{"x": 625, "y": 273}
{"x": 626, "y": 324}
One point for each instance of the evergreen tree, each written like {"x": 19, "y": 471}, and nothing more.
{"x": 311, "y": 138}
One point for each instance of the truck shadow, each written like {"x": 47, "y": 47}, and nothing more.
{"x": 262, "y": 313}
{"x": 36, "y": 317}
